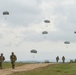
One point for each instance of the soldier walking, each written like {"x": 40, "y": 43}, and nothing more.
{"x": 57, "y": 59}
{"x": 2, "y": 58}
{"x": 13, "y": 58}
{"x": 63, "y": 59}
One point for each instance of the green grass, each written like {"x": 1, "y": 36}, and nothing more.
{"x": 55, "y": 69}
{"x": 8, "y": 64}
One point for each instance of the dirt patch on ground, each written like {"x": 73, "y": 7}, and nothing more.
{"x": 23, "y": 68}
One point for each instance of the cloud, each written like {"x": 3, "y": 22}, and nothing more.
{"x": 21, "y": 12}
{"x": 23, "y": 27}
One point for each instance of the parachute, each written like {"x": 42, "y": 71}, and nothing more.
{"x": 67, "y": 42}
{"x": 46, "y": 21}
{"x": 33, "y": 51}
{"x": 5, "y": 13}
{"x": 74, "y": 32}
{"x": 44, "y": 33}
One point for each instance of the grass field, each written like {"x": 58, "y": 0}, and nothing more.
{"x": 8, "y": 64}
{"x": 54, "y": 69}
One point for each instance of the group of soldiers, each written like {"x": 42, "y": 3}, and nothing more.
{"x": 13, "y": 58}
{"x": 63, "y": 59}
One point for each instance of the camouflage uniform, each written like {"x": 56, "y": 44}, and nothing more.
{"x": 2, "y": 58}
{"x": 13, "y": 58}
{"x": 63, "y": 59}
{"x": 57, "y": 59}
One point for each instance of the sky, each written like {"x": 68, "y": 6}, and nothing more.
{"x": 21, "y": 30}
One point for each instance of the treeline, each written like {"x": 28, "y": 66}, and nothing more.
{"x": 72, "y": 61}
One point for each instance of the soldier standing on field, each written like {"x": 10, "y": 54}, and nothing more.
{"x": 2, "y": 58}
{"x": 13, "y": 58}
{"x": 63, "y": 59}
{"x": 57, "y": 59}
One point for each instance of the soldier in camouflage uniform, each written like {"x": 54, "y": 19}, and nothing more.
{"x": 63, "y": 59}
{"x": 57, "y": 59}
{"x": 13, "y": 58}
{"x": 2, "y": 58}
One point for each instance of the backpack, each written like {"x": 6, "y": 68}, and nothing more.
{"x": 13, "y": 58}
{"x": 2, "y": 58}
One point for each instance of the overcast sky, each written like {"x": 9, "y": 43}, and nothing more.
{"x": 21, "y": 30}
